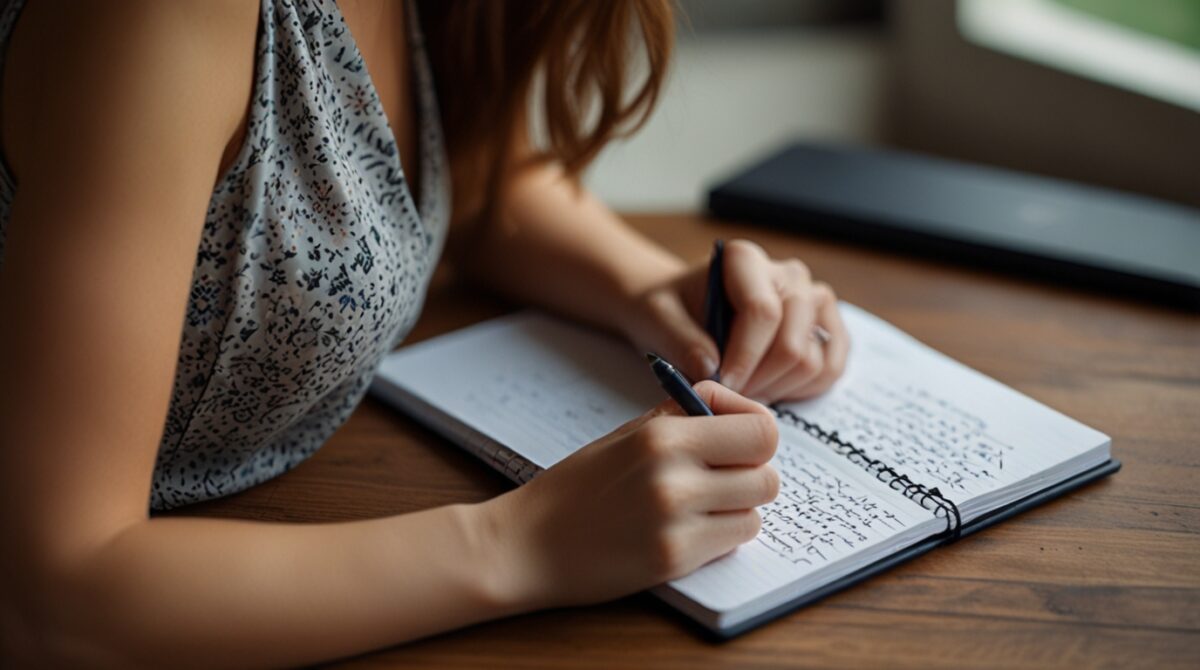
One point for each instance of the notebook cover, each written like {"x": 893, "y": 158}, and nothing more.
{"x": 905, "y": 555}
{"x": 973, "y": 214}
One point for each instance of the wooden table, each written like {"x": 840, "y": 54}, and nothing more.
{"x": 1107, "y": 576}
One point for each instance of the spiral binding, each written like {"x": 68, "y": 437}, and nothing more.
{"x": 929, "y": 498}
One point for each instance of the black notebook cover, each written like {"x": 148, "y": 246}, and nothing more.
{"x": 974, "y": 214}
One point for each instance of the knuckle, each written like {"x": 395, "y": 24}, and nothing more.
{"x": 765, "y": 436}
{"x": 764, "y": 309}
{"x": 816, "y": 389}
{"x": 753, "y": 523}
{"x": 797, "y": 269}
{"x": 660, "y": 302}
{"x": 667, "y": 555}
{"x": 830, "y": 372}
{"x": 794, "y": 349}
{"x": 697, "y": 357}
{"x": 708, "y": 388}
{"x": 824, "y": 292}
{"x": 810, "y": 363}
{"x": 770, "y": 483}
{"x": 744, "y": 248}
{"x": 802, "y": 301}
{"x": 666, "y": 500}
{"x": 655, "y": 439}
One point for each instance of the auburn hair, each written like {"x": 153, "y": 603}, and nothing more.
{"x": 566, "y": 67}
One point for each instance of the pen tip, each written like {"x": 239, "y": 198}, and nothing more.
{"x": 651, "y": 357}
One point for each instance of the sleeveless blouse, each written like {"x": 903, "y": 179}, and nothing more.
{"x": 313, "y": 262}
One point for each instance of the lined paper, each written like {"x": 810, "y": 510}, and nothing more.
{"x": 827, "y": 511}
{"x": 937, "y": 420}
{"x": 539, "y": 385}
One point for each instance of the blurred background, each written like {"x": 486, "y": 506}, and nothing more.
{"x": 1105, "y": 92}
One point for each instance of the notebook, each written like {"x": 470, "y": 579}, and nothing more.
{"x": 908, "y": 451}
{"x": 1091, "y": 237}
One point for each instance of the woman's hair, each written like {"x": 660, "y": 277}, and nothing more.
{"x": 576, "y": 59}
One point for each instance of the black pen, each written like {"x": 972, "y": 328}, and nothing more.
{"x": 718, "y": 311}
{"x": 678, "y": 387}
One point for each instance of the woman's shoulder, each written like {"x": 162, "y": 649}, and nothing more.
{"x": 177, "y": 25}
{"x": 98, "y": 66}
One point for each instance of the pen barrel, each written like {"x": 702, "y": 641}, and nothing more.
{"x": 694, "y": 406}
{"x": 679, "y": 389}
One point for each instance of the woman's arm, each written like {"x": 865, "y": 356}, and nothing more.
{"x": 556, "y": 245}
{"x": 115, "y": 120}
{"x": 115, "y": 128}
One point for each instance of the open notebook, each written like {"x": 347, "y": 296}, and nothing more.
{"x": 910, "y": 449}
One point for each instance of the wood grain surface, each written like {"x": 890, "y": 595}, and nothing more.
{"x": 1108, "y": 576}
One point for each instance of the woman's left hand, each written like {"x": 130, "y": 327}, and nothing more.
{"x": 772, "y": 353}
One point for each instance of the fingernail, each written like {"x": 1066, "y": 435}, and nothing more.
{"x": 708, "y": 366}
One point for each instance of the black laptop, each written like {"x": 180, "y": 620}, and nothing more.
{"x": 979, "y": 215}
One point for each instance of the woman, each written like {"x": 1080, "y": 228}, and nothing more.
{"x": 216, "y": 223}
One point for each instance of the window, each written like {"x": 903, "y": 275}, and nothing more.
{"x": 1149, "y": 46}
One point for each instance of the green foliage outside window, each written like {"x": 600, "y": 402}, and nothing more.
{"x": 1174, "y": 20}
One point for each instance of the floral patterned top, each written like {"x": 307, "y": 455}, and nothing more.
{"x": 313, "y": 262}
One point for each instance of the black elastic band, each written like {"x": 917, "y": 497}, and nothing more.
{"x": 928, "y": 498}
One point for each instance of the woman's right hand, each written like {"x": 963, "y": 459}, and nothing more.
{"x": 653, "y": 500}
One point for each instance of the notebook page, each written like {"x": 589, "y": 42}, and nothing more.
{"x": 827, "y": 513}
{"x": 941, "y": 422}
{"x": 539, "y": 385}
